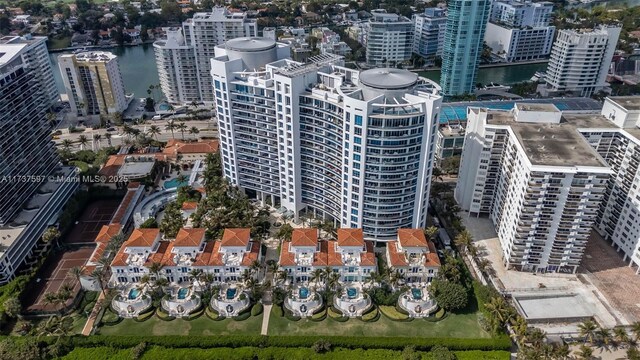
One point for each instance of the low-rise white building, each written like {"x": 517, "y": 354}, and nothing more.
{"x": 413, "y": 256}
{"x": 350, "y": 256}
{"x": 389, "y": 39}
{"x": 428, "y": 33}
{"x": 226, "y": 259}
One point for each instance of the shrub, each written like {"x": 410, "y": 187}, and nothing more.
{"x": 243, "y": 296}
{"x": 243, "y": 316}
{"x": 235, "y": 341}
{"x": 144, "y": 315}
{"x": 90, "y": 296}
{"x": 384, "y": 296}
{"x": 290, "y": 316}
{"x": 212, "y": 314}
{"x": 110, "y": 318}
{"x": 320, "y": 315}
{"x": 321, "y": 346}
{"x": 391, "y": 313}
{"x": 372, "y": 315}
{"x": 162, "y": 315}
{"x": 195, "y": 314}
{"x": 449, "y": 295}
{"x": 89, "y": 307}
{"x": 442, "y": 353}
{"x": 257, "y": 309}
{"x": 150, "y": 223}
{"x": 138, "y": 350}
{"x": 277, "y": 310}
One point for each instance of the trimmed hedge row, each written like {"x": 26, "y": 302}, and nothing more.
{"x": 336, "y": 314}
{"x": 213, "y": 315}
{"x": 257, "y": 309}
{"x": 319, "y": 316}
{"x": 242, "y": 316}
{"x": 162, "y": 315}
{"x": 110, "y": 318}
{"x": 195, "y": 314}
{"x": 372, "y": 315}
{"x": 277, "y": 311}
{"x": 393, "y": 343}
{"x": 393, "y": 314}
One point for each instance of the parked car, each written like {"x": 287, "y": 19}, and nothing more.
{"x": 111, "y": 129}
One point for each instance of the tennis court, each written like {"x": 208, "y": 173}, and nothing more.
{"x": 96, "y": 214}
{"x": 53, "y": 274}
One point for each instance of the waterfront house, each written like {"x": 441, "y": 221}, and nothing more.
{"x": 413, "y": 256}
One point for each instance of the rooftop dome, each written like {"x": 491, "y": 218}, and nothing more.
{"x": 388, "y": 78}
{"x": 250, "y": 44}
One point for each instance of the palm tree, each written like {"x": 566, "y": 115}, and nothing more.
{"x": 620, "y": 336}
{"x": 520, "y": 330}
{"x": 333, "y": 281}
{"x": 317, "y": 276}
{"x": 194, "y": 104}
{"x": 96, "y": 141}
{"x": 285, "y": 232}
{"x": 83, "y": 141}
{"x": 500, "y": 311}
{"x": 207, "y": 279}
{"x": 280, "y": 276}
{"x": 195, "y": 274}
{"x": 171, "y": 126}
{"x": 587, "y": 329}
{"x": 52, "y": 119}
{"x": 194, "y": 130}
{"x": 66, "y": 144}
{"x": 49, "y": 298}
{"x": 605, "y": 339}
{"x": 154, "y": 131}
{"x": 246, "y": 276}
{"x": 99, "y": 276}
{"x": 395, "y": 278}
{"x": 182, "y": 179}
{"x": 585, "y": 352}
{"x": 463, "y": 241}
{"x": 155, "y": 268}
{"x": 431, "y": 232}
{"x": 635, "y": 329}
{"x": 182, "y": 127}
{"x": 108, "y": 137}
{"x": 76, "y": 272}
{"x": 13, "y": 307}
{"x": 255, "y": 267}
{"x": 561, "y": 352}
{"x": 51, "y": 236}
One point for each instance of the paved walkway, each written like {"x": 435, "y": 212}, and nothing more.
{"x": 265, "y": 319}
{"x": 88, "y": 326}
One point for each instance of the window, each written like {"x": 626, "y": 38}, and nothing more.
{"x": 358, "y": 119}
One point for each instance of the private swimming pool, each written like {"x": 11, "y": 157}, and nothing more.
{"x": 303, "y": 293}
{"x": 231, "y": 293}
{"x": 352, "y": 292}
{"x": 133, "y": 294}
{"x": 173, "y": 183}
{"x": 416, "y": 293}
{"x": 182, "y": 293}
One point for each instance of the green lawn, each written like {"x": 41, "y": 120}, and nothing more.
{"x": 200, "y": 326}
{"x": 59, "y": 43}
{"x": 454, "y": 326}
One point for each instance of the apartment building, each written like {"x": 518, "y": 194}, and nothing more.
{"x": 465, "y": 28}
{"x": 350, "y": 255}
{"x": 428, "y": 32}
{"x": 93, "y": 83}
{"x": 532, "y": 173}
{"x": 519, "y": 30}
{"x": 177, "y": 68}
{"x": 226, "y": 259}
{"x": 580, "y": 61}
{"x": 413, "y": 256}
{"x": 389, "y": 39}
{"x": 335, "y": 143}
{"x": 619, "y": 145}
{"x": 183, "y": 59}
{"x": 35, "y": 55}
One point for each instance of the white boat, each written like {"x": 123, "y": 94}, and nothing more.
{"x": 537, "y": 76}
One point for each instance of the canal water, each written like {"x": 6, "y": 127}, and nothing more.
{"x": 137, "y": 65}
{"x": 504, "y": 75}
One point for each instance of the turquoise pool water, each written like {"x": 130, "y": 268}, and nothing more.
{"x": 417, "y": 294}
{"x": 352, "y": 292}
{"x": 164, "y": 107}
{"x": 173, "y": 183}
{"x": 133, "y": 294}
{"x": 182, "y": 293}
{"x": 231, "y": 293}
{"x": 303, "y": 292}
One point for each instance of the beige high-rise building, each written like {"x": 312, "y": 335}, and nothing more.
{"x": 93, "y": 83}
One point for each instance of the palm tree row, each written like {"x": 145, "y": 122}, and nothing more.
{"x": 609, "y": 339}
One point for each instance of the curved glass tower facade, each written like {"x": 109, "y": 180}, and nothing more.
{"x": 334, "y": 143}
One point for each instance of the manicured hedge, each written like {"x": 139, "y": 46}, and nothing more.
{"x": 162, "y": 315}
{"x": 290, "y": 315}
{"x": 213, "y": 315}
{"x": 277, "y": 311}
{"x": 243, "y": 316}
{"x": 319, "y": 316}
{"x": 110, "y": 318}
{"x": 336, "y": 314}
{"x": 372, "y": 315}
{"x": 257, "y": 309}
{"x": 160, "y": 353}
{"x": 195, "y": 314}
{"x": 144, "y": 316}
{"x": 90, "y": 296}
{"x": 391, "y": 313}
{"x": 393, "y": 343}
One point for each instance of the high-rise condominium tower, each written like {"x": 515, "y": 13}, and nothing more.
{"x": 466, "y": 23}
{"x": 183, "y": 59}
{"x": 352, "y": 147}
{"x": 93, "y": 82}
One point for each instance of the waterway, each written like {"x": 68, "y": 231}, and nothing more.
{"x": 137, "y": 66}
{"x": 504, "y": 75}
